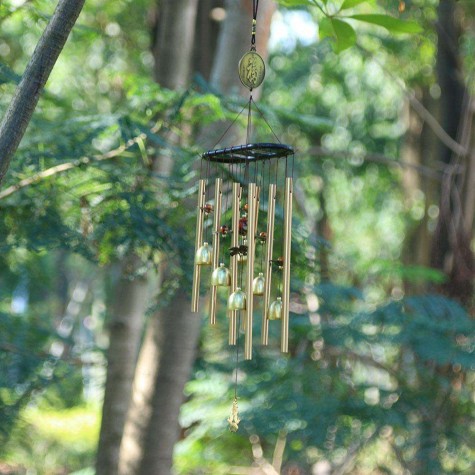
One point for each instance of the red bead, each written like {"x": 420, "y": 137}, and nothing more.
{"x": 223, "y": 230}
{"x": 243, "y": 226}
{"x": 207, "y": 208}
{"x": 263, "y": 236}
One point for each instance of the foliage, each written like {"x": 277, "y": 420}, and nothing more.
{"x": 379, "y": 379}
{"x": 357, "y": 377}
{"x": 43, "y": 441}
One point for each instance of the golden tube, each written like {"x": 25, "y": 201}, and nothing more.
{"x": 284, "y": 343}
{"x": 268, "y": 263}
{"x": 195, "y": 295}
{"x": 233, "y": 267}
{"x": 251, "y": 243}
{"x": 218, "y": 193}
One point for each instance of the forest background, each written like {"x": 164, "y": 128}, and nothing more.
{"x": 97, "y": 224}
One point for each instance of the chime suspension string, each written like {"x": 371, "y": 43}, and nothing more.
{"x": 237, "y": 355}
{"x": 255, "y": 6}
{"x": 207, "y": 198}
{"x": 266, "y": 122}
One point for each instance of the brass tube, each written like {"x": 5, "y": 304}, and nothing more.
{"x": 233, "y": 267}
{"x": 195, "y": 294}
{"x": 284, "y": 344}
{"x": 218, "y": 193}
{"x": 268, "y": 263}
{"x": 251, "y": 242}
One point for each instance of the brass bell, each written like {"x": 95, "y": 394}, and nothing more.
{"x": 221, "y": 276}
{"x": 237, "y": 300}
{"x": 204, "y": 255}
{"x": 275, "y": 309}
{"x": 258, "y": 284}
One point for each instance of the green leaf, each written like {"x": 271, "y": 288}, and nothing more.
{"x": 393, "y": 25}
{"x": 345, "y": 35}
{"x": 325, "y": 28}
{"x": 352, "y": 3}
{"x": 340, "y": 31}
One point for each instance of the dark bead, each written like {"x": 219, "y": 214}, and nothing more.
{"x": 243, "y": 227}
{"x": 224, "y": 230}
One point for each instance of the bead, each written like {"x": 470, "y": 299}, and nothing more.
{"x": 243, "y": 226}
{"x": 207, "y": 208}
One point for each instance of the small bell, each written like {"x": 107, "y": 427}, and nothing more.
{"x": 221, "y": 276}
{"x": 258, "y": 284}
{"x": 275, "y": 309}
{"x": 204, "y": 255}
{"x": 237, "y": 300}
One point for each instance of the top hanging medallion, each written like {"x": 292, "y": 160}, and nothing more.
{"x": 252, "y": 70}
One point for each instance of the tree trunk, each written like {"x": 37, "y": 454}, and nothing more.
{"x": 173, "y": 50}
{"x": 34, "y": 78}
{"x": 168, "y": 351}
{"x": 125, "y": 330}
{"x": 175, "y": 333}
{"x": 451, "y": 250}
{"x": 420, "y": 148}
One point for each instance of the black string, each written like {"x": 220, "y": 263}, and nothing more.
{"x": 238, "y": 324}
{"x": 267, "y": 123}
{"x": 232, "y": 123}
{"x": 255, "y": 6}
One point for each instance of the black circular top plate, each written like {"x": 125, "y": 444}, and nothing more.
{"x": 252, "y": 152}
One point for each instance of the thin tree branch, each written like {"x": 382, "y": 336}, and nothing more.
{"x": 27, "y": 94}
{"x": 425, "y": 115}
{"x": 352, "y": 355}
{"x": 62, "y": 167}
{"x": 378, "y": 158}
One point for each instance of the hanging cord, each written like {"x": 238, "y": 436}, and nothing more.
{"x": 230, "y": 125}
{"x": 267, "y": 123}
{"x": 237, "y": 356}
{"x": 255, "y": 6}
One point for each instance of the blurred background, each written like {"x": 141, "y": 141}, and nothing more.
{"x": 104, "y": 370}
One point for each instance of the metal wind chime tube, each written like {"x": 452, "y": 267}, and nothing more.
{"x": 268, "y": 262}
{"x": 236, "y": 190}
{"x": 195, "y": 297}
{"x": 284, "y": 345}
{"x": 216, "y": 224}
{"x": 251, "y": 246}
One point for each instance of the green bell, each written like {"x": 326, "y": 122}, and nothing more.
{"x": 275, "y": 309}
{"x": 221, "y": 276}
{"x": 258, "y": 284}
{"x": 237, "y": 300}
{"x": 204, "y": 255}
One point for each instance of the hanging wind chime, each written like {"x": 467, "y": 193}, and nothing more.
{"x": 247, "y": 244}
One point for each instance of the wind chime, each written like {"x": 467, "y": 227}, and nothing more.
{"x": 250, "y": 257}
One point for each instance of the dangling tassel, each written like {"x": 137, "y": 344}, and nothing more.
{"x": 233, "y": 419}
